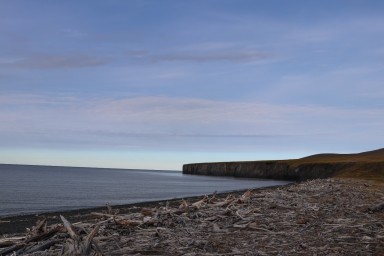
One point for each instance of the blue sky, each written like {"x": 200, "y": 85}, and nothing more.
{"x": 156, "y": 84}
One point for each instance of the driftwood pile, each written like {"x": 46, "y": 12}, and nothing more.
{"x": 319, "y": 217}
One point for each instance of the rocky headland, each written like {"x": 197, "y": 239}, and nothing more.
{"x": 366, "y": 165}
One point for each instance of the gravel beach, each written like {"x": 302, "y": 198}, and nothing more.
{"x": 317, "y": 217}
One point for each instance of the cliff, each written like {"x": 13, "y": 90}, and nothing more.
{"x": 369, "y": 165}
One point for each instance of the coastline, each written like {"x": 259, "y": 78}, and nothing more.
{"x": 17, "y": 223}
{"x": 335, "y": 206}
{"x": 364, "y": 165}
{"x": 315, "y": 217}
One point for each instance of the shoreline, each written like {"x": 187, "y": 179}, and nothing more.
{"x": 334, "y": 216}
{"x": 17, "y": 223}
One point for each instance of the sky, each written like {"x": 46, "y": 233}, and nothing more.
{"x": 152, "y": 84}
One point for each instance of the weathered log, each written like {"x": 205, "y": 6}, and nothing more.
{"x": 45, "y": 235}
{"x": 200, "y": 203}
{"x": 36, "y": 238}
{"x": 88, "y": 241}
{"x": 70, "y": 229}
{"x": 377, "y": 208}
{"x": 75, "y": 245}
{"x": 43, "y": 246}
{"x": 5, "y": 242}
{"x": 13, "y": 248}
{"x": 127, "y": 223}
{"x": 41, "y": 226}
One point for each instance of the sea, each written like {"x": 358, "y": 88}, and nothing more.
{"x": 26, "y": 189}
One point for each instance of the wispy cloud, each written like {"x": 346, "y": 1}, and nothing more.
{"x": 54, "y": 61}
{"x": 214, "y": 56}
{"x": 233, "y": 56}
{"x": 153, "y": 122}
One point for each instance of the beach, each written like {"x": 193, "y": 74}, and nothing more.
{"x": 26, "y": 189}
{"x": 316, "y": 217}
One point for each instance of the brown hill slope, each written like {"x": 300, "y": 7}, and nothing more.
{"x": 369, "y": 156}
{"x": 365, "y": 165}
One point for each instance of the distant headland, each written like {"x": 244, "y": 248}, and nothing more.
{"x": 365, "y": 165}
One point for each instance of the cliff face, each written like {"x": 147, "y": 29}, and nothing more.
{"x": 285, "y": 170}
{"x": 366, "y": 165}
{"x": 266, "y": 170}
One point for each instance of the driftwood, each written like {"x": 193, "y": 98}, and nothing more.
{"x": 43, "y": 246}
{"x": 12, "y": 248}
{"x": 200, "y": 203}
{"x": 36, "y": 234}
{"x": 5, "y": 242}
{"x": 377, "y": 208}
{"x": 29, "y": 244}
{"x": 76, "y": 245}
{"x": 324, "y": 217}
{"x": 45, "y": 235}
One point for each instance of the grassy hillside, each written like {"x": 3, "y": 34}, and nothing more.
{"x": 365, "y": 165}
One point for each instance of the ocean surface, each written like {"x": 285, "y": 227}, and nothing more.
{"x": 32, "y": 189}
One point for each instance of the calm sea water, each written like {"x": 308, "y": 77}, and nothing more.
{"x": 33, "y": 189}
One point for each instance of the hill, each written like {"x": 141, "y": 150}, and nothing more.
{"x": 365, "y": 165}
{"x": 369, "y": 156}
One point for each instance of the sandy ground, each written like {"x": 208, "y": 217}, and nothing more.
{"x": 318, "y": 217}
